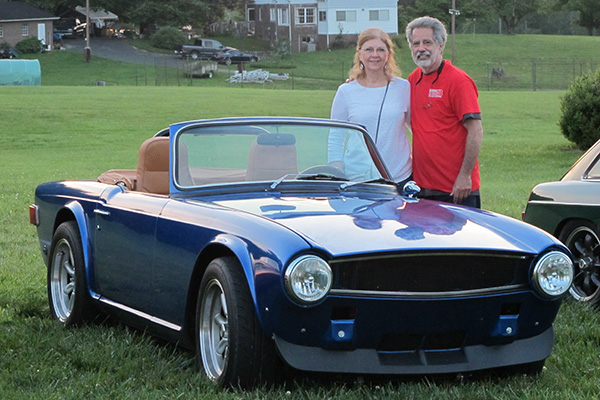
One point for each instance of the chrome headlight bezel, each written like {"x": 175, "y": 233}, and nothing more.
{"x": 308, "y": 279}
{"x": 553, "y": 274}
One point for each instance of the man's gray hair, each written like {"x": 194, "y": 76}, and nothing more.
{"x": 439, "y": 30}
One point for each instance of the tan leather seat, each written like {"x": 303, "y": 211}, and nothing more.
{"x": 153, "y": 166}
{"x": 271, "y": 157}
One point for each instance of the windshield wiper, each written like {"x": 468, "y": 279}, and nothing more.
{"x": 378, "y": 180}
{"x": 278, "y": 181}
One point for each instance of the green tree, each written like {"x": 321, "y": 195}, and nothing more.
{"x": 144, "y": 13}
{"x": 509, "y": 11}
{"x": 589, "y": 13}
{"x": 580, "y": 120}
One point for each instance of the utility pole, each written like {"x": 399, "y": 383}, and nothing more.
{"x": 87, "y": 51}
{"x": 454, "y": 12}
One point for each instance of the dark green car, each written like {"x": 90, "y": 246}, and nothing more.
{"x": 570, "y": 210}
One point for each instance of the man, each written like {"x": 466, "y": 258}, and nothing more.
{"x": 445, "y": 119}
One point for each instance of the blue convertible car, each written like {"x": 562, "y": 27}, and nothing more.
{"x": 237, "y": 238}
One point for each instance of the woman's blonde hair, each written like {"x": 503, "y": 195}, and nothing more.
{"x": 391, "y": 69}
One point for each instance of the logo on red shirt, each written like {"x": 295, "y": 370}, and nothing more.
{"x": 436, "y": 93}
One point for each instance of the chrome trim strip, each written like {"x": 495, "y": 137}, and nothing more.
{"x": 427, "y": 295}
{"x": 421, "y": 253}
{"x": 140, "y": 314}
{"x": 561, "y": 203}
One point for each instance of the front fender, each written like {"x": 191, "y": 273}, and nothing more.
{"x": 263, "y": 268}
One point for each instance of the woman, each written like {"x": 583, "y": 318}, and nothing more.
{"x": 376, "y": 98}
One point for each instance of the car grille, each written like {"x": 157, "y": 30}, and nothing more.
{"x": 431, "y": 273}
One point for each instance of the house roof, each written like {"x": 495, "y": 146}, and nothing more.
{"x": 18, "y": 11}
{"x": 97, "y": 14}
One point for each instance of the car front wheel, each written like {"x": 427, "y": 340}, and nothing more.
{"x": 69, "y": 300}
{"x": 581, "y": 237}
{"x": 231, "y": 348}
{"x": 228, "y": 61}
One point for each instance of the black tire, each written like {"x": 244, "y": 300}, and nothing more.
{"x": 68, "y": 296}
{"x": 582, "y": 238}
{"x": 228, "y": 61}
{"x": 231, "y": 347}
{"x": 194, "y": 55}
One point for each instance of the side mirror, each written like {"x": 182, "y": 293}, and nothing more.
{"x": 411, "y": 189}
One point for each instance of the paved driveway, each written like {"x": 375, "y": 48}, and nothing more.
{"x": 121, "y": 50}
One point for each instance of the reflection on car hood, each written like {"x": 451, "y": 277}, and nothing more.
{"x": 348, "y": 225}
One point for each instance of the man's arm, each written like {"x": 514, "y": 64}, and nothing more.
{"x": 462, "y": 185}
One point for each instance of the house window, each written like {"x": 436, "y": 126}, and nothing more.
{"x": 283, "y": 16}
{"x": 1, "y": 31}
{"x": 349, "y": 16}
{"x": 24, "y": 29}
{"x": 322, "y": 16}
{"x": 379, "y": 15}
{"x": 251, "y": 14}
{"x": 305, "y": 16}
{"x": 273, "y": 14}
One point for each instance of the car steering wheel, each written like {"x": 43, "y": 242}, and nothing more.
{"x": 325, "y": 170}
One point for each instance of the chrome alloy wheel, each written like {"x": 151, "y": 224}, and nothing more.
{"x": 62, "y": 280}
{"x": 585, "y": 246}
{"x": 214, "y": 330}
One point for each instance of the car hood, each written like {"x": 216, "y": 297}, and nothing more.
{"x": 347, "y": 225}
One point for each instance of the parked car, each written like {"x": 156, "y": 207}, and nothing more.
{"x": 69, "y": 28}
{"x": 569, "y": 209}
{"x": 203, "y": 49}
{"x": 233, "y": 56}
{"x": 234, "y": 237}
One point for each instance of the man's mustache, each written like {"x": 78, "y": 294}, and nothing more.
{"x": 423, "y": 53}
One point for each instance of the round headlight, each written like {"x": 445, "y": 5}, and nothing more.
{"x": 553, "y": 274}
{"x": 308, "y": 279}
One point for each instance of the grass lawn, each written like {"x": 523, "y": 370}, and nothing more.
{"x": 63, "y": 132}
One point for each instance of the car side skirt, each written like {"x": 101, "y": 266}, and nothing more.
{"x": 371, "y": 361}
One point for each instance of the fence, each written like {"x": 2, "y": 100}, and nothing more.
{"x": 533, "y": 74}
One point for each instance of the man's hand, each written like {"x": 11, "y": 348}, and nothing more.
{"x": 462, "y": 188}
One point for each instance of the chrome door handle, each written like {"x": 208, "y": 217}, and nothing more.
{"x": 101, "y": 212}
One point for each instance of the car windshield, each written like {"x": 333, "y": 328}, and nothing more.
{"x": 218, "y": 152}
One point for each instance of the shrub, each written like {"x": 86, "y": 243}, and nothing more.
{"x": 29, "y": 46}
{"x": 282, "y": 48}
{"x": 399, "y": 41}
{"x": 166, "y": 38}
{"x": 580, "y": 119}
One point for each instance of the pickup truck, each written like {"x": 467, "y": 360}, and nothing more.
{"x": 201, "y": 49}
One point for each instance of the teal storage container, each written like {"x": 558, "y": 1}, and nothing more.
{"x": 20, "y": 73}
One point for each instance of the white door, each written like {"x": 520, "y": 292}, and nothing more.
{"x": 42, "y": 33}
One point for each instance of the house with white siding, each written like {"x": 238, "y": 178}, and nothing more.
{"x": 317, "y": 25}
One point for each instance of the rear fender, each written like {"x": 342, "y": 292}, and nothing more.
{"x": 83, "y": 225}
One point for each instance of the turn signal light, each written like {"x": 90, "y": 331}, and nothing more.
{"x": 34, "y": 215}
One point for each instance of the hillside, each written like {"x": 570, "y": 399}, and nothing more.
{"x": 496, "y": 62}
